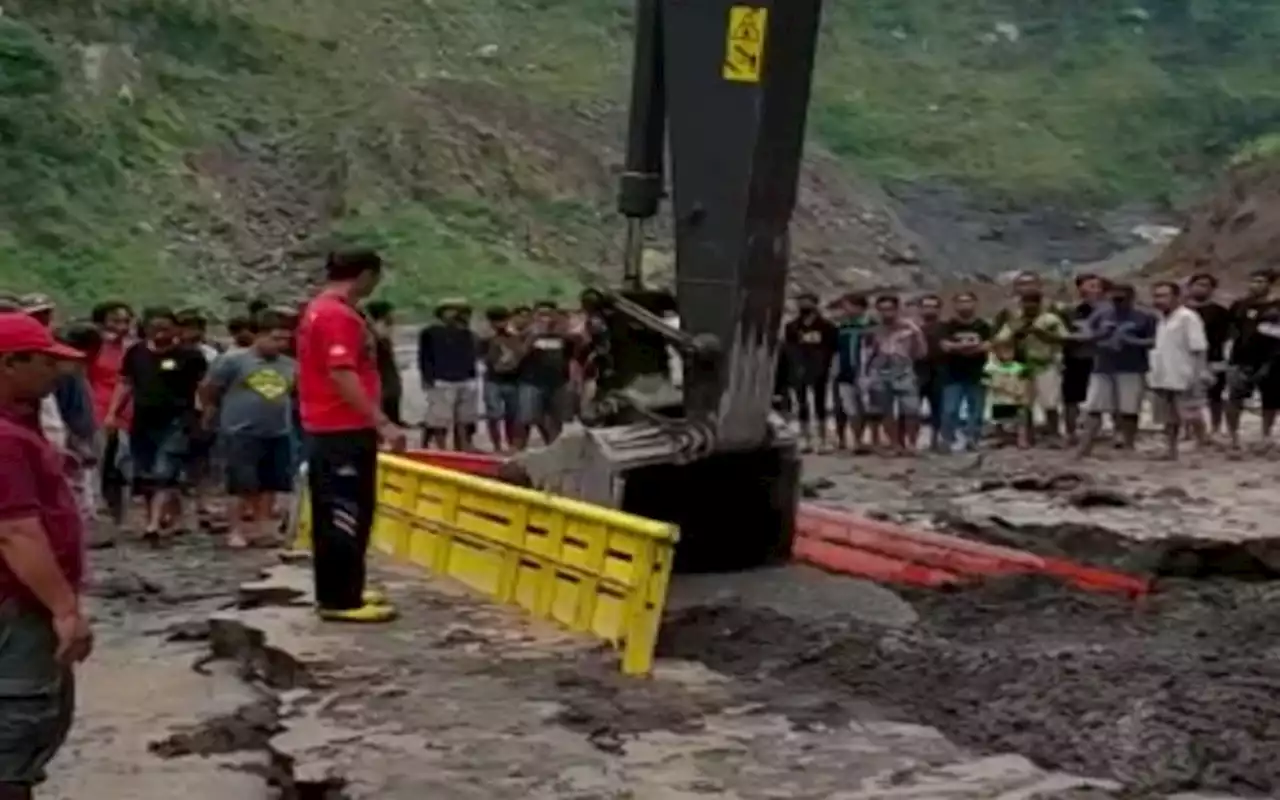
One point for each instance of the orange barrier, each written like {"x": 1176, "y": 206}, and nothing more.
{"x": 846, "y": 543}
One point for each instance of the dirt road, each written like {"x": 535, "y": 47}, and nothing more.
{"x": 782, "y": 683}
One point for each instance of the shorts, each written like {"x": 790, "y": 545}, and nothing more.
{"x": 1046, "y": 388}
{"x": 537, "y": 403}
{"x": 502, "y": 401}
{"x": 258, "y": 464}
{"x": 850, "y": 400}
{"x": 158, "y": 455}
{"x": 885, "y": 391}
{"x": 37, "y": 696}
{"x": 1243, "y": 382}
{"x": 1005, "y": 412}
{"x": 452, "y": 403}
{"x": 1116, "y": 394}
{"x": 1176, "y": 408}
{"x": 1075, "y": 380}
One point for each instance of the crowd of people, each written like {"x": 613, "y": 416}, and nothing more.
{"x": 1038, "y": 371}
{"x": 143, "y": 407}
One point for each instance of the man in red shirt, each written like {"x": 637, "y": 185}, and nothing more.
{"x": 43, "y": 632}
{"x": 340, "y": 397}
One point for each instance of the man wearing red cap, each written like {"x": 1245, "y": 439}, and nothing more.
{"x": 41, "y": 562}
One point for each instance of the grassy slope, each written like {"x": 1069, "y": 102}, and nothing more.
{"x": 98, "y": 193}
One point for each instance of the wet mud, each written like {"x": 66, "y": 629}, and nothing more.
{"x": 1179, "y": 692}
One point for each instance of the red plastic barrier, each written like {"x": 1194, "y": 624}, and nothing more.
{"x": 954, "y": 554}
{"x": 843, "y": 542}
{"x": 486, "y": 464}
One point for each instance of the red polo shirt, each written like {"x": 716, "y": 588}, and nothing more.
{"x": 332, "y": 335}
{"x": 33, "y": 483}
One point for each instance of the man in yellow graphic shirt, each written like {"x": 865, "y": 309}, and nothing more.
{"x": 246, "y": 400}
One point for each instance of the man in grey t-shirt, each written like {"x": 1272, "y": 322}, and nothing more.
{"x": 246, "y": 399}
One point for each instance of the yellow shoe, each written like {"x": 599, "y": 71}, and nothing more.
{"x": 373, "y": 597}
{"x": 367, "y": 613}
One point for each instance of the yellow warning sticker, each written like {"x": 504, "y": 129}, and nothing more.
{"x": 744, "y": 49}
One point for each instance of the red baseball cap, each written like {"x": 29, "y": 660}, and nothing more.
{"x": 21, "y": 333}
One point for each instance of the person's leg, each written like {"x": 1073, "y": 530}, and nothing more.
{"x": 467, "y": 405}
{"x": 1048, "y": 395}
{"x": 1165, "y": 410}
{"x": 1269, "y": 389}
{"x": 975, "y": 401}
{"x": 144, "y": 451}
{"x": 343, "y": 489}
{"x": 1099, "y": 400}
{"x": 953, "y": 399}
{"x": 243, "y": 455}
{"x": 37, "y": 701}
{"x": 1130, "y": 390}
{"x": 438, "y": 419}
{"x": 1216, "y": 401}
{"x": 494, "y": 414}
{"x": 906, "y": 392}
{"x": 800, "y": 399}
{"x": 931, "y": 393}
{"x": 821, "y": 388}
{"x": 840, "y": 413}
{"x": 275, "y": 478}
{"x": 1075, "y": 390}
{"x": 527, "y": 407}
{"x": 1240, "y": 387}
{"x": 510, "y": 393}
{"x": 877, "y": 408}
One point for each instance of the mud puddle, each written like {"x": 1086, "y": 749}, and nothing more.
{"x": 1178, "y": 693}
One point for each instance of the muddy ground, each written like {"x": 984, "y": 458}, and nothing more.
{"x": 784, "y": 683}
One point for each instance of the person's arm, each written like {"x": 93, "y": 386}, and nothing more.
{"x": 426, "y": 358}
{"x": 123, "y": 390}
{"x": 1145, "y": 336}
{"x": 24, "y": 545}
{"x": 213, "y": 388}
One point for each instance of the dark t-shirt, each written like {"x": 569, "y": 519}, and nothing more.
{"x": 961, "y": 367}
{"x": 164, "y": 383}
{"x": 1249, "y": 347}
{"x": 1077, "y": 319}
{"x": 811, "y": 347}
{"x": 503, "y": 356}
{"x": 546, "y": 363}
{"x": 1217, "y": 329}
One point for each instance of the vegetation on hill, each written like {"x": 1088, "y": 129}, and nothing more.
{"x": 185, "y": 149}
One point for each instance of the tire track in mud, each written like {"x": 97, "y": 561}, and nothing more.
{"x": 1180, "y": 693}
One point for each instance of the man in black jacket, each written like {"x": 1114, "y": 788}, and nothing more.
{"x": 448, "y": 352}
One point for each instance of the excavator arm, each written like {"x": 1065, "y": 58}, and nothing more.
{"x": 721, "y": 89}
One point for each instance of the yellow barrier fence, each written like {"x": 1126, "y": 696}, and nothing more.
{"x": 591, "y": 569}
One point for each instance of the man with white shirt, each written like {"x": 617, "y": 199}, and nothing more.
{"x": 1179, "y": 369}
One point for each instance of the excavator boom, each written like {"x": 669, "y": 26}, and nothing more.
{"x": 720, "y": 89}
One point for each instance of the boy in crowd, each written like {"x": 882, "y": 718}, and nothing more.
{"x": 1179, "y": 370}
{"x": 1122, "y": 335}
{"x": 1255, "y": 355}
{"x": 246, "y": 400}
{"x": 855, "y": 320}
{"x": 1037, "y": 335}
{"x": 545, "y": 375}
{"x": 964, "y": 344}
{"x": 929, "y": 368}
{"x": 447, "y": 354}
{"x": 811, "y": 342}
{"x": 502, "y": 349}
{"x": 381, "y": 316}
{"x": 891, "y": 393}
{"x": 1009, "y": 386}
{"x": 1217, "y": 331}
{"x": 161, "y": 375}
{"x": 240, "y": 329}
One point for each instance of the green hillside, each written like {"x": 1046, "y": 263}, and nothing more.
{"x": 186, "y": 149}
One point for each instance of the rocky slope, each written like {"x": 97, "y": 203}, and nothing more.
{"x": 190, "y": 149}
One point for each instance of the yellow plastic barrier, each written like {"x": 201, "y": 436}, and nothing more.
{"x": 591, "y": 569}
